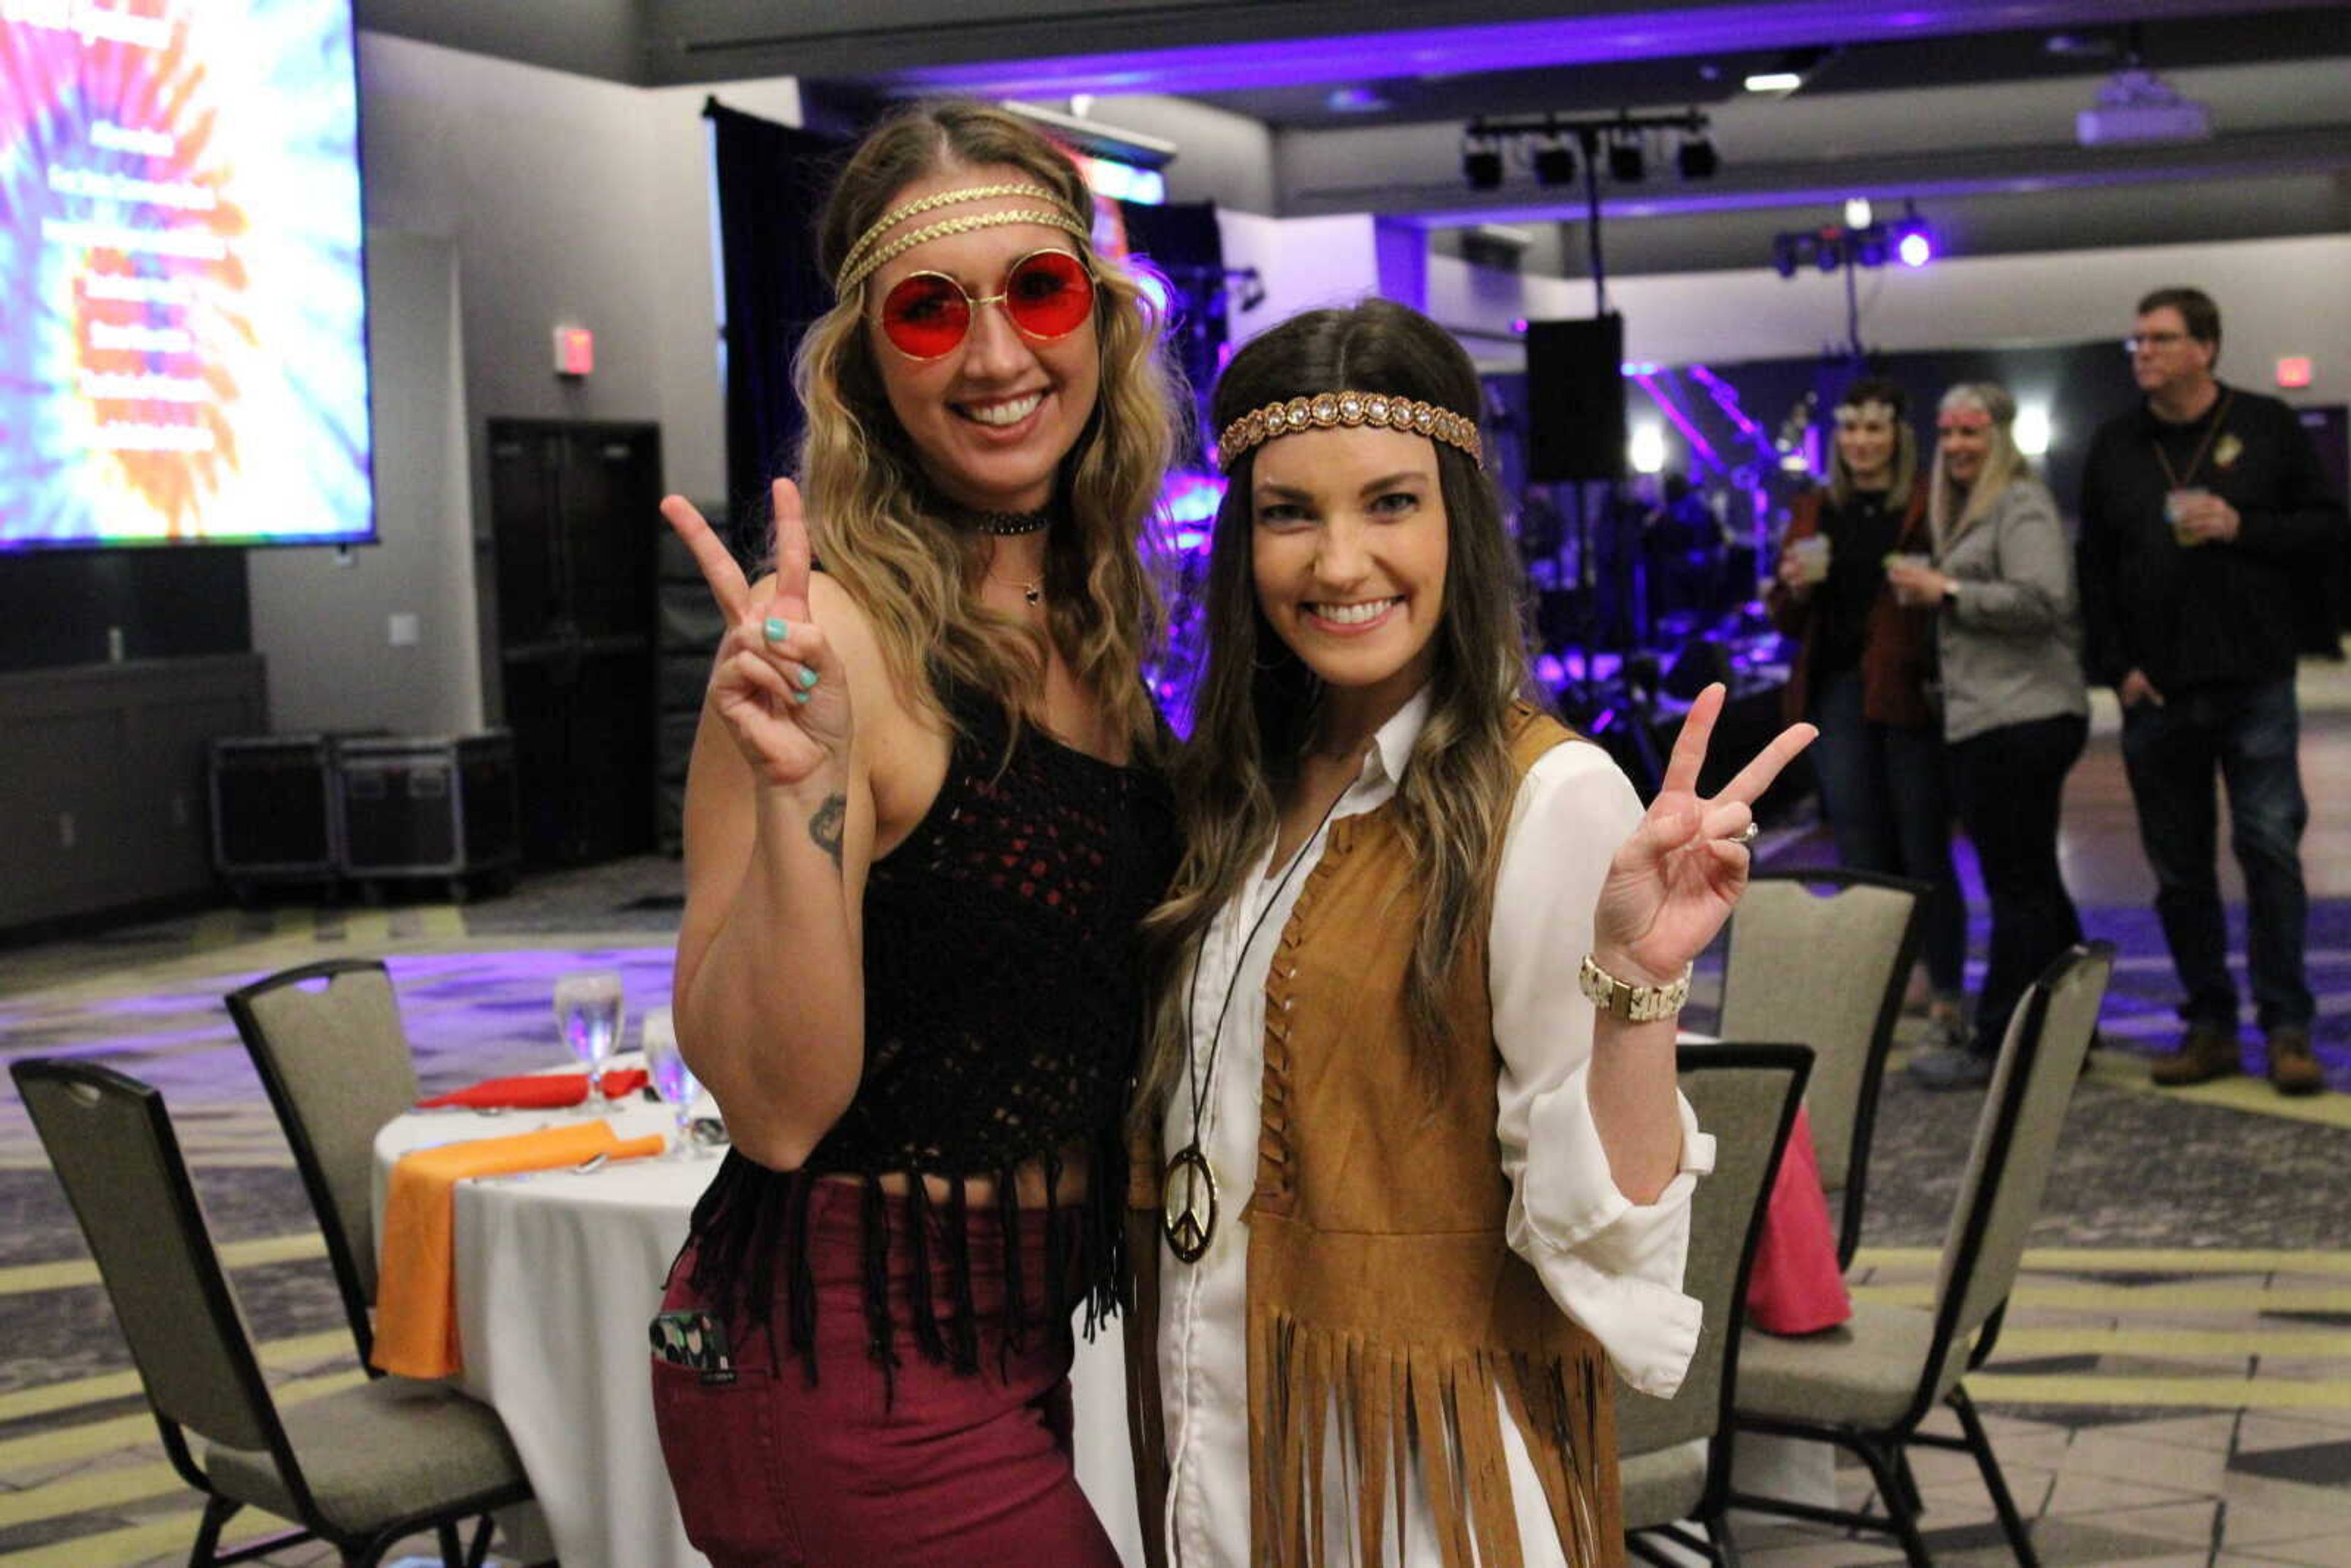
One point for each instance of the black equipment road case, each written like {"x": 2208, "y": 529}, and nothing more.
{"x": 429, "y": 806}
{"x": 277, "y": 815}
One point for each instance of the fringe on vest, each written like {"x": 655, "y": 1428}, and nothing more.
{"x": 1442, "y": 1406}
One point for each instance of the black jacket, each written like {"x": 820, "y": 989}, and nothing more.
{"x": 2215, "y": 613}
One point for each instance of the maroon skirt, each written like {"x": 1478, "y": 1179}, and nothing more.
{"x": 827, "y": 1460}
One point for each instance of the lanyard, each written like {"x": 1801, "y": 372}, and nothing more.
{"x": 2181, "y": 481}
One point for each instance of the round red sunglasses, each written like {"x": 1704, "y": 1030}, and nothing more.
{"x": 1048, "y": 294}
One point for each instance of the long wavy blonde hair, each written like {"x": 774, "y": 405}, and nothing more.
{"x": 1256, "y": 701}
{"x": 1953, "y": 507}
{"x": 874, "y": 521}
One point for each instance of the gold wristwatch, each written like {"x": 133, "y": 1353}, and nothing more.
{"x": 1623, "y": 999}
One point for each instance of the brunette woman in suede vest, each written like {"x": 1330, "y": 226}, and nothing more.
{"x": 1413, "y": 1190}
{"x": 922, "y": 826}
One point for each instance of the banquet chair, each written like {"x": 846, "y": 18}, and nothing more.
{"x": 1868, "y": 1385}
{"x": 327, "y": 1041}
{"x": 362, "y": 1467}
{"x": 1828, "y": 970}
{"x": 1675, "y": 1454}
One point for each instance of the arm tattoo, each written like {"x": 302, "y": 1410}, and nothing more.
{"x": 824, "y": 826}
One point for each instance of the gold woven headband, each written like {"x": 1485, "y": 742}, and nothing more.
{"x": 1326, "y": 411}
{"x": 864, "y": 256}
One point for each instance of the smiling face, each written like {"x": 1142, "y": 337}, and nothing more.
{"x": 992, "y": 418}
{"x": 1865, "y": 439}
{"x": 1965, "y": 434}
{"x": 1349, "y": 541}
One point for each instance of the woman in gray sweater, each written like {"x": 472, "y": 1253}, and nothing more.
{"x": 2015, "y": 708}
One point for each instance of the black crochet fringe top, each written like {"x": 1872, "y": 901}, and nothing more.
{"x": 1004, "y": 1010}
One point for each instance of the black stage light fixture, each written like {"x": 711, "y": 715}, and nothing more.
{"x": 1482, "y": 163}
{"x": 1783, "y": 255}
{"x": 1830, "y": 254}
{"x": 1627, "y": 163}
{"x": 1697, "y": 158}
{"x": 1554, "y": 161}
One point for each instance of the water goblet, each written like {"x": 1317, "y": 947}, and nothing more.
{"x": 673, "y": 1079}
{"x": 588, "y": 1005}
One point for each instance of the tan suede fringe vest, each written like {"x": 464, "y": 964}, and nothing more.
{"x": 1380, "y": 1285}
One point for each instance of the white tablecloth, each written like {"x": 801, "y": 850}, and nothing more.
{"x": 557, "y": 1275}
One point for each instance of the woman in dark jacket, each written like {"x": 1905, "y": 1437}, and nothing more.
{"x": 1861, "y": 669}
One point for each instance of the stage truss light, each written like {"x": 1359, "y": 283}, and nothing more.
{"x": 1554, "y": 161}
{"x": 1482, "y": 163}
{"x": 1628, "y": 163}
{"x": 1696, "y": 159}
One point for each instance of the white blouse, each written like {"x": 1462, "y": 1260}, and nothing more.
{"x": 1615, "y": 1267}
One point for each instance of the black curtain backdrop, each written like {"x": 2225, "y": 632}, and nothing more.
{"x": 771, "y": 184}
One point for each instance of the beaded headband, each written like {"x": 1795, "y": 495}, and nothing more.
{"x": 863, "y": 257}
{"x": 1326, "y": 411}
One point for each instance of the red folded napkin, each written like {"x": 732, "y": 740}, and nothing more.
{"x": 537, "y": 1090}
{"x": 1795, "y": 1288}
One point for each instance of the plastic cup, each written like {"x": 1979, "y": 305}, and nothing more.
{"x": 1810, "y": 554}
{"x": 2174, "y": 506}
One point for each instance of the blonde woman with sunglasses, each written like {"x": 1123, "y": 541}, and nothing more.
{"x": 922, "y": 822}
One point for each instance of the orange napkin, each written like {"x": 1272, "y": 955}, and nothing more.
{"x": 539, "y": 1091}
{"x": 416, "y": 1290}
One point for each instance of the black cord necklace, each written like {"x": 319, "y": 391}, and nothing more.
{"x": 1007, "y": 523}
{"x": 1189, "y": 1227}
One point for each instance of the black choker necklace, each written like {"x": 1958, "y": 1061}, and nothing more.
{"x": 1033, "y": 522}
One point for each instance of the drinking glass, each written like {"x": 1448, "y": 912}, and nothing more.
{"x": 588, "y": 1004}
{"x": 1811, "y": 553}
{"x": 673, "y": 1079}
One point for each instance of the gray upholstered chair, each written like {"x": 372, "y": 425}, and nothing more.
{"x": 1675, "y": 1454}
{"x": 361, "y": 1468}
{"x": 327, "y": 1041}
{"x": 1868, "y": 1385}
{"x": 1827, "y": 971}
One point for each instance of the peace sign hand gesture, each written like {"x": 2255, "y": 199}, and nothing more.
{"x": 777, "y": 681}
{"x": 1673, "y": 882}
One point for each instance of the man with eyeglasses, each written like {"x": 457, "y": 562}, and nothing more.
{"x": 2207, "y": 532}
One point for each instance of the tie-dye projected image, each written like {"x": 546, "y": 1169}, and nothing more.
{"x": 182, "y": 311}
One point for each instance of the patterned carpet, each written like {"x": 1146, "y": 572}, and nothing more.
{"x": 2173, "y": 1385}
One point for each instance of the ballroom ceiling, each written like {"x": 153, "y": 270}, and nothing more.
{"x": 1965, "y": 106}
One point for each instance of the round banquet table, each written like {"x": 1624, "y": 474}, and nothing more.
{"x": 557, "y": 1274}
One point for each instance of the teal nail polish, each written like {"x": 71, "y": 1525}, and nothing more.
{"x": 808, "y": 677}
{"x": 799, "y": 696}
{"x": 777, "y": 629}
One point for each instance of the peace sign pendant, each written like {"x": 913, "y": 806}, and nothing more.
{"x": 1189, "y": 1226}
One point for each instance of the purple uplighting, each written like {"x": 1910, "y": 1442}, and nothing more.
{"x": 1917, "y": 250}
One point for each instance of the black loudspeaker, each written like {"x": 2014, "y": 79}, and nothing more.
{"x": 1702, "y": 661}
{"x": 1575, "y": 400}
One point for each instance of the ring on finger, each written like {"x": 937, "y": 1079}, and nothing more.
{"x": 1747, "y": 835}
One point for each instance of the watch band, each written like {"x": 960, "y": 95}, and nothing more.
{"x": 1623, "y": 999}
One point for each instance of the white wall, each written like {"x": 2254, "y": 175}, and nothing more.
{"x": 322, "y": 618}
{"x": 502, "y": 200}
{"x": 1303, "y": 263}
{"x": 2277, "y": 298}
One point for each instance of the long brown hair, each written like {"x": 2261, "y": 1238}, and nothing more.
{"x": 1255, "y": 700}
{"x": 874, "y": 520}
{"x": 1902, "y": 473}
